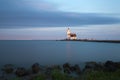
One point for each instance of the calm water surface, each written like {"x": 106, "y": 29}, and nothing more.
{"x": 56, "y": 52}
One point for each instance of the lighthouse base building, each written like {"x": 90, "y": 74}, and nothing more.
{"x": 71, "y": 36}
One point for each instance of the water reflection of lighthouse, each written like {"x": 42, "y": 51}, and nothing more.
{"x": 68, "y": 52}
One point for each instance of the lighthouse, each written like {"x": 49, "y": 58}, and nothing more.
{"x": 71, "y": 36}
{"x": 68, "y": 33}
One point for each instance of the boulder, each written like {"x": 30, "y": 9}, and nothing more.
{"x": 49, "y": 69}
{"x": 20, "y": 72}
{"x": 93, "y": 66}
{"x": 66, "y": 68}
{"x": 8, "y": 68}
{"x": 110, "y": 66}
{"x": 117, "y": 64}
{"x": 66, "y": 65}
{"x": 56, "y": 67}
{"x": 77, "y": 69}
{"x": 35, "y": 68}
{"x": 72, "y": 68}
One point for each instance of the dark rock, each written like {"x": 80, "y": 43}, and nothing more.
{"x": 77, "y": 69}
{"x": 57, "y": 67}
{"x": 108, "y": 63}
{"x": 51, "y": 68}
{"x": 69, "y": 69}
{"x": 48, "y": 70}
{"x": 66, "y": 68}
{"x": 72, "y": 68}
{"x": 21, "y": 72}
{"x": 8, "y": 68}
{"x": 93, "y": 66}
{"x": 90, "y": 65}
{"x": 110, "y": 66}
{"x": 117, "y": 64}
{"x": 35, "y": 68}
{"x": 66, "y": 65}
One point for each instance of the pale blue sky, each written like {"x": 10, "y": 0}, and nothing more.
{"x": 49, "y": 19}
{"x": 85, "y": 6}
{"x": 88, "y": 6}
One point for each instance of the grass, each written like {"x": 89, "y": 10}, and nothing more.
{"x": 57, "y": 75}
{"x": 100, "y": 75}
{"x": 17, "y": 78}
{"x": 40, "y": 77}
{"x": 89, "y": 75}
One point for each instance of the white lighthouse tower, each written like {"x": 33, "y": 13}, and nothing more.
{"x": 68, "y": 33}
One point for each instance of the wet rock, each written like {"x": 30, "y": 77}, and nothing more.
{"x": 117, "y": 64}
{"x": 21, "y": 72}
{"x": 8, "y": 68}
{"x": 57, "y": 67}
{"x": 69, "y": 69}
{"x": 72, "y": 68}
{"x": 35, "y": 68}
{"x": 90, "y": 66}
{"x": 66, "y": 68}
{"x": 66, "y": 65}
{"x": 49, "y": 69}
{"x": 107, "y": 63}
{"x": 77, "y": 69}
{"x": 110, "y": 66}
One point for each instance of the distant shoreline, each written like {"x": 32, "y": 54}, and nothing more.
{"x": 86, "y": 40}
{"x": 82, "y": 40}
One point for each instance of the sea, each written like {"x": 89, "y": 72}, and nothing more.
{"x": 51, "y": 52}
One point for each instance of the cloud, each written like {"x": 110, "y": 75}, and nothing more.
{"x": 41, "y": 5}
{"x": 19, "y": 5}
{"x": 38, "y": 13}
{"x": 54, "y": 19}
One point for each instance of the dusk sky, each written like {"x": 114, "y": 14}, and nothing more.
{"x": 49, "y": 19}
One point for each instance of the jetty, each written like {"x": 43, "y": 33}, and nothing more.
{"x": 73, "y": 37}
{"x": 86, "y": 40}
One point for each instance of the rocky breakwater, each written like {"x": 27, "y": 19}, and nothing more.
{"x": 62, "y": 72}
